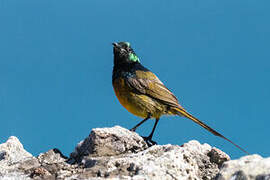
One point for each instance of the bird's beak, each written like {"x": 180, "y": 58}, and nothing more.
{"x": 115, "y": 44}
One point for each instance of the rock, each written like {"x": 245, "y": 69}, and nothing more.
{"x": 252, "y": 167}
{"x": 117, "y": 153}
{"x": 51, "y": 157}
{"x": 51, "y": 162}
{"x": 12, "y": 151}
{"x": 166, "y": 162}
{"x": 109, "y": 142}
{"x": 217, "y": 156}
{"x": 16, "y": 163}
{"x": 14, "y": 159}
{"x": 40, "y": 173}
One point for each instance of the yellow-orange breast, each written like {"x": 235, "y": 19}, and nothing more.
{"x": 138, "y": 104}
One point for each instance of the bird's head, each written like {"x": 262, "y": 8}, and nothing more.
{"x": 123, "y": 53}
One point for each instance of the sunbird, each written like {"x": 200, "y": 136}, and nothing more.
{"x": 142, "y": 93}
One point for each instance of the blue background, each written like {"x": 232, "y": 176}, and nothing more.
{"x": 56, "y": 62}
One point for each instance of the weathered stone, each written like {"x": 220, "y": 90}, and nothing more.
{"x": 12, "y": 151}
{"x": 14, "y": 159}
{"x": 109, "y": 153}
{"x": 217, "y": 156}
{"x": 51, "y": 157}
{"x": 109, "y": 142}
{"x": 117, "y": 153}
{"x": 252, "y": 167}
{"x": 40, "y": 173}
{"x": 28, "y": 164}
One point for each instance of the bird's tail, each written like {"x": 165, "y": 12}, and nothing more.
{"x": 182, "y": 112}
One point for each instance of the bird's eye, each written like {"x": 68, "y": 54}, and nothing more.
{"x": 127, "y": 45}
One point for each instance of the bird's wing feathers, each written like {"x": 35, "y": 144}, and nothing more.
{"x": 147, "y": 83}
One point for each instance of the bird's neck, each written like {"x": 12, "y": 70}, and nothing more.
{"x": 120, "y": 70}
{"x": 125, "y": 69}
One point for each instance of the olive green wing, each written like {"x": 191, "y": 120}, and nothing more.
{"x": 147, "y": 83}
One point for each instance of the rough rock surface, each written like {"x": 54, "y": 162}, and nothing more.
{"x": 109, "y": 142}
{"x": 248, "y": 167}
{"x": 14, "y": 157}
{"x": 117, "y": 153}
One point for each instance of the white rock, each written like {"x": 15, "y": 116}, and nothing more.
{"x": 109, "y": 153}
{"x": 11, "y": 154}
{"x": 116, "y": 153}
{"x": 252, "y": 167}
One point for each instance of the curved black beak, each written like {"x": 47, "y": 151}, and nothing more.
{"x": 115, "y": 44}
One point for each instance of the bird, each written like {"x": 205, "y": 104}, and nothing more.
{"x": 142, "y": 93}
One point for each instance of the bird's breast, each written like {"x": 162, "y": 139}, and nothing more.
{"x": 127, "y": 98}
{"x": 138, "y": 104}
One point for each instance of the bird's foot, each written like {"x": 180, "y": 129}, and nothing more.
{"x": 133, "y": 129}
{"x": 149, "y": 141}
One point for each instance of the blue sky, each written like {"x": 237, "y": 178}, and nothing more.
{"x": 56, "y": 63}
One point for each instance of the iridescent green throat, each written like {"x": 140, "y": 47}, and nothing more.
{"x": 133, "y": 57}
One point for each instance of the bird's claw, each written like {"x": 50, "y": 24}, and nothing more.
{"x": 149, "y": 141}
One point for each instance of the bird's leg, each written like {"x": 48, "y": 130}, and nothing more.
{"x": 135, "y": 127}
{"x": 148, "y": 139}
